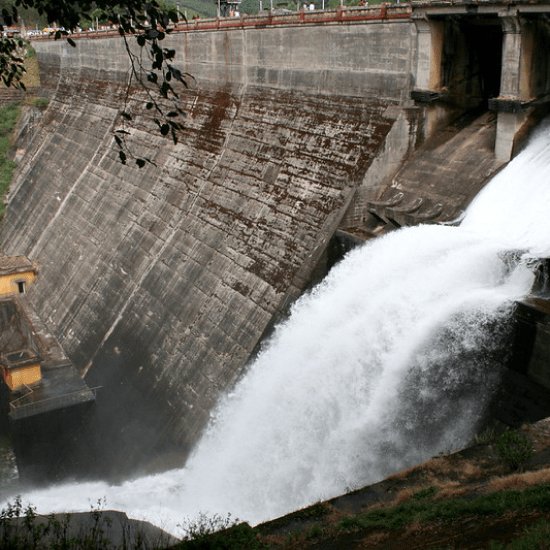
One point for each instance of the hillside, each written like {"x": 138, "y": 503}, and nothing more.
{"x": 486, "y": 496}
{"x": 203, "y": 8}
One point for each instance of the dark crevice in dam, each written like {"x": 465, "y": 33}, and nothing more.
{"x": 472, "y": 60}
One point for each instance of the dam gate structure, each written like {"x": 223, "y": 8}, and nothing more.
{"x": 161, "y": 282}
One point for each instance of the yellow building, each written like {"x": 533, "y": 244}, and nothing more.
{"x": 17, "y": 273}
{"x": 20, "y": 368}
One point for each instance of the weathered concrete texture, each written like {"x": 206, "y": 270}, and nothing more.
{"x": 369, "y": 60}
{"x": 161, "y": 281}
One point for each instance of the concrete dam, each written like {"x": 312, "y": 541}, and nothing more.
{"x": 303, "y": 130}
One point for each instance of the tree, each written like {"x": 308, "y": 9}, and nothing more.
{"x": 145, "y": 21}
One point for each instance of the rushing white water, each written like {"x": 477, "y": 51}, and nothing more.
{"x": 387, "y": 362}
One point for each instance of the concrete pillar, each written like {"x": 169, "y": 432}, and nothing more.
{"x": 427, "y": 72}
{"x": 511, "y": 58}
{"x": 429, "y": 53}
{"x": 510, "y": 116}
{"x": 423, "y": 58}
{"x": 507, "y": 126}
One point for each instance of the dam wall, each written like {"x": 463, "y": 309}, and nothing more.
{"x": 160, "y": 282}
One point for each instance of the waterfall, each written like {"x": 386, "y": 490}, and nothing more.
{"x": 389, "y": 361}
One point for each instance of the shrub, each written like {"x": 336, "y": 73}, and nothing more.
{"x": 41, "y": 102}
{"x": 485, "y": 437}
{"x": 315, "y": 531}
{"x": 218, "y": 533}
{"x": 515, "y": 449}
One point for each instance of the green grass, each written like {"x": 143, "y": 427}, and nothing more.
{"x": 8, "y": 117}
{"x": 41, "y": 102}
{"x": 535, "y": 537}
{"x": 396, "y": 517}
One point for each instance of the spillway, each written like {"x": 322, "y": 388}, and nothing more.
{"x": 390, "y": 360}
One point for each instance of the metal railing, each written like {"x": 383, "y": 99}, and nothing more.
{"x": 24, "y": 406}
{"x": 341, "y": 14}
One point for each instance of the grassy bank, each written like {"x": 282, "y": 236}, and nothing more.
{"x": 8, "y": 118}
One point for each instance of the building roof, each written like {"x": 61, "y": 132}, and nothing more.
{"x": 15, "y": 264}
{"x": 19, "y": 358}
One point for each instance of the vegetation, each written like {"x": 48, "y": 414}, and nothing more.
{"x": 534, "y": 537}
{"x": 31, "y": 533}
{"x": 8, "y": 118}
{"x": 40, "y": 102}
{"x": 515, "y": 449}
{"x": 218, "y": 533}
{"x": 420, "y": 510}
{"x": 201, "y": 8}
{"x": 21, "y": 528}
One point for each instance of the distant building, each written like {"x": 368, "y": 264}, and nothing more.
{"x": 17, "y": 274}
{"x": 19, "y": 364}
{"x": 43, "y": 400}
{"x": 227, "y": 8}
{"x": 21, "y": 368}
